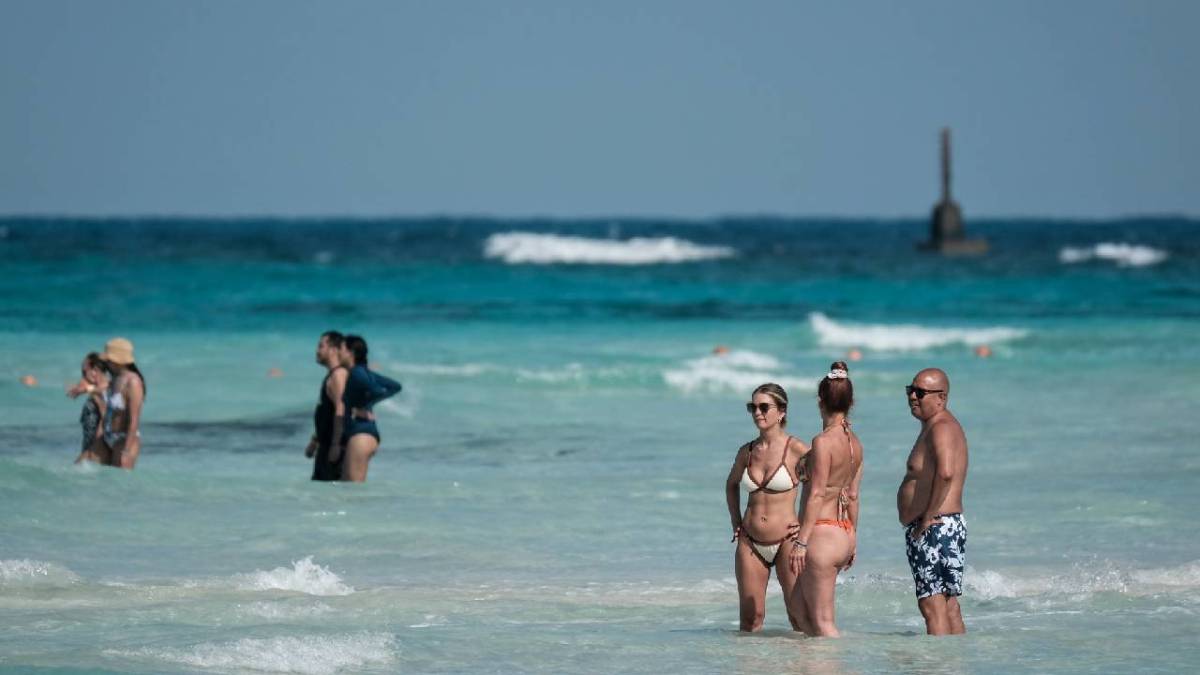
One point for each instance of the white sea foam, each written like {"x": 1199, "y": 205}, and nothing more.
{"x": 550, "y": 249}
{"x": 284, "y": 611}
{"x": 989, "y": 584}
{"x": 903, "y": 337}
{"x": 308, "y": 654}
{"x": 431, "y": 620}
{"x": 1184, "y": 575}
{"x": 572, "y": 372}
{"x": 463, "y": 370}
{"x": 405, "y": 407}
{"x": 34, "y": 573}
{"x": 304, "y": 576}
{"x": 1125, "y": 255}
{"x": 1083, "y": 579}
{"x": 739, "y": 371}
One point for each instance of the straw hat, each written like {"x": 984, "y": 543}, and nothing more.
{"x": 118, "y": 351}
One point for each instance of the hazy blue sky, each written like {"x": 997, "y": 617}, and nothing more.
{"x": 569, "y": 108}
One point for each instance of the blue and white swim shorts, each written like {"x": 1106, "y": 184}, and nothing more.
{"x": 938, "y": 557}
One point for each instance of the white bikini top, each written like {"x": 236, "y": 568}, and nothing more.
{"x": 780, "y": 481}
{"x": 115, "y": 400}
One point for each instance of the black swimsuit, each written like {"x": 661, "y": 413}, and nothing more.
{"x": 323, "y": 469}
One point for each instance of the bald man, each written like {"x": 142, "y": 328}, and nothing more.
{"x": 930, "y": 504}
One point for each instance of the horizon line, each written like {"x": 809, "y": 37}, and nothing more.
{"x": 179, "y": 217}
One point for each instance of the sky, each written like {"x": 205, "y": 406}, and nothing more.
{"x": 687, "y": 109}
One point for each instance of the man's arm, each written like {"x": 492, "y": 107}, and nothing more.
{"x": 941, "y": 441}
{"x": 335, "y": 387}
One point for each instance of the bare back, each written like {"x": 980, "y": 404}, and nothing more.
{"x": 845, "y": 459}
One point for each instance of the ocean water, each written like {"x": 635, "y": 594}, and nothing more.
{"x": 548, "y": 496}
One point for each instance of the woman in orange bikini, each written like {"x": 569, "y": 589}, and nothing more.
{"x": 824, "y": 542}
{"x": 769, "y": 469}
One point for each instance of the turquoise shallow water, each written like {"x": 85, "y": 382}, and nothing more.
{"x": 548, "y": 495}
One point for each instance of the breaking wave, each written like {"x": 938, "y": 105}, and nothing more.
{"x": 739, "y": 371}
{"x": 903, "y": 337}
{"x": 35, "y": 573}
{"x": 304, "y": 576}
{"x": 1125, "y": 255}
{"x": 308, "y": 654}
{"x": 517, "y": 248}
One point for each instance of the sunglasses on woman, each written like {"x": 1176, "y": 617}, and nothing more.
{"x": 760, "y": 407}
{"x": 909, "y": 390}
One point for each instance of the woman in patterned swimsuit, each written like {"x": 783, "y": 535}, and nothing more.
{"x": 94, "y": 383}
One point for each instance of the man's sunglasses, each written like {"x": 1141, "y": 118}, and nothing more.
{"x": 909, "y": 390}
{"x": 760, "y": 407}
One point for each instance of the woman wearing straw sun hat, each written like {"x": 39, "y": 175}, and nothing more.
{"x": 125, "y": 396}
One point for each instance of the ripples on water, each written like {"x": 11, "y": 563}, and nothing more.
{"x": 548, "y": 494}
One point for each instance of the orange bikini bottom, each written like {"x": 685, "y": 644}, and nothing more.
{"x": 844, "y": 524}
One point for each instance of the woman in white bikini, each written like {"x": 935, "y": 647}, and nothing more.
{"x": 769, "y": 468}
{"x": 126, "y": 392}
{"x": 825, "y": 541}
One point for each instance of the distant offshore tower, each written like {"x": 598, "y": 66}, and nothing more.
{"x": 947, "y": 235}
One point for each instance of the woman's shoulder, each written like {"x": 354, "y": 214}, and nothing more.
{"x": 822, "y": 439}
{"x": 797, "y": 445}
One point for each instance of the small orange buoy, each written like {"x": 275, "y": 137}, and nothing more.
{"x": 854, "y": 355}
{"x": 29, "y": 381}
{"x": 274, "y": 372}
{"x": 720, "y": 349}
{"x": 983, "y": 351}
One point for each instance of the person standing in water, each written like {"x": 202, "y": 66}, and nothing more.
{"x": 126, "y": 393}
{"x": 364, "y": 388}
{"x": 769, "y": 468}
{"x": 930, "y": 504}
{"x": 327, "y": 418}
{"x": 825, "y": 541}
{"x": 94, "y": 383}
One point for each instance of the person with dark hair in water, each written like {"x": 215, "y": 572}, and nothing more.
{"x": 824, "y": 542}
{"x": 126, "y": 393}
{"x": 93, "y": 382}
{"x": 328, "y": 416}
{"x": 364, "y": 388}
{"x": 769, "y": 468}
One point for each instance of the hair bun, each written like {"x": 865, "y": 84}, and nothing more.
{"x": 835, "y": 390}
